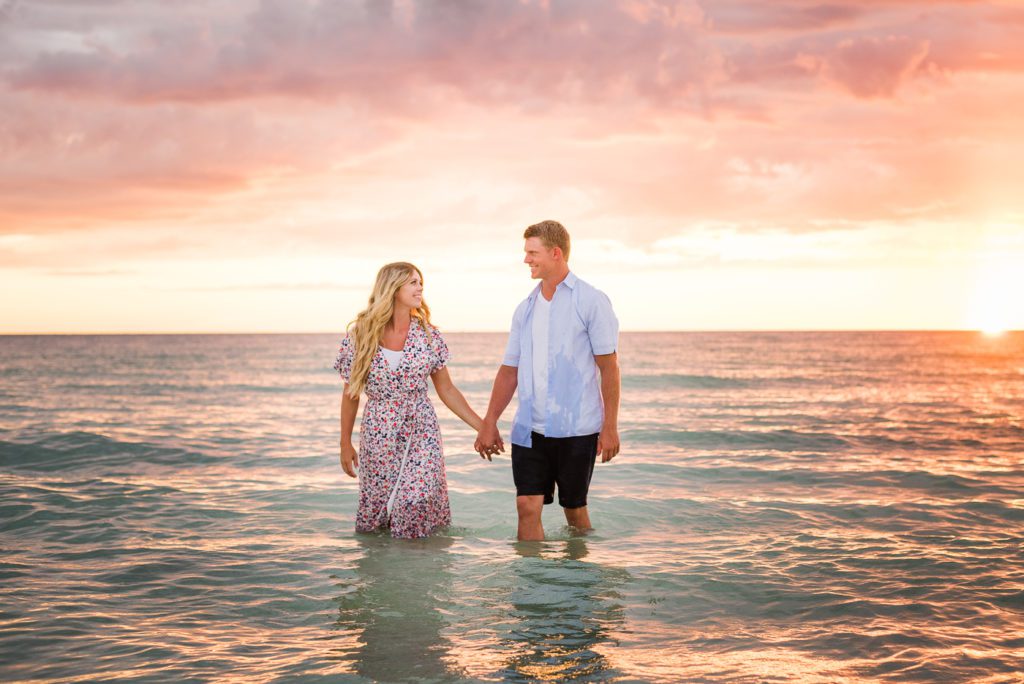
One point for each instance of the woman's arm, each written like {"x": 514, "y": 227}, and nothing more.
{"x": 349, "y": 408}
{"x": 453, "y": 399}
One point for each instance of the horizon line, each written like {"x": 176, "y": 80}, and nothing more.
{"x": 497, "y": 332}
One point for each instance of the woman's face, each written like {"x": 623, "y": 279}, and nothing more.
{"x": 411, "y": 294}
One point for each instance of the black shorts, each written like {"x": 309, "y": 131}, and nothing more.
{"x": 565, "y": 461}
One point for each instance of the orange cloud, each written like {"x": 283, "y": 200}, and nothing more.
{"x": 139, "y": 132}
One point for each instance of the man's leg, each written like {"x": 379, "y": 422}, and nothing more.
{"x": 578, "y": 518}
{"x": 535, "y": 486}
{"x": 574, "y": 468}
{"x": 529, "y": 509}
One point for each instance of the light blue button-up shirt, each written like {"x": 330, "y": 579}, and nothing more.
{"x": 582, "y": 325}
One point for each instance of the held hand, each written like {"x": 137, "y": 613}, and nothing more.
{"x": 349, "y": 459}
{"x": 608, "y": 443}
{"x": 488, "y": 441}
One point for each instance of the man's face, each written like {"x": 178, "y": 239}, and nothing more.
{"x": 539, "y": 258}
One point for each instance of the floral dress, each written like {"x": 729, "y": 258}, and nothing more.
{"x": 402, "y": 484}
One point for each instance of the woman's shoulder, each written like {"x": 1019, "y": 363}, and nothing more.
{"x": 433, "y": 337}
{"x": 427, "y": 330}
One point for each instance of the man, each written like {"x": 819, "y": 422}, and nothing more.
{"x": 562, "y": 335}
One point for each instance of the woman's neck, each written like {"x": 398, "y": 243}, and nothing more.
{"x": 400, "y": 319}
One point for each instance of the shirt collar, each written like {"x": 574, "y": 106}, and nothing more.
{"x": 569, "y": 281}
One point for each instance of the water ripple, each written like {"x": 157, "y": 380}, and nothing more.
{"x": 814, "y": 508}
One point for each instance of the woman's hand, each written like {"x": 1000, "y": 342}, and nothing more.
{"x": 488, "y": 441}
{"x": 349, "y": 459}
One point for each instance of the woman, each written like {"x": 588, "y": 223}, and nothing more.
{"x": 388, "y": 353}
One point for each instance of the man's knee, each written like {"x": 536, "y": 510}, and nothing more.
{"x": 576, "y": 512}
{"x": 529, "y": 506}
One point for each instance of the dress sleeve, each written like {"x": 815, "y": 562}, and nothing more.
{"x": 440, "y": 349}
{"x": 343, "y": 362}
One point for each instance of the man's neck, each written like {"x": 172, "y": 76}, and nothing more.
{"x": 549, "y": 284}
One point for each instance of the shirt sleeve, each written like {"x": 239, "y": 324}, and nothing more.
{"x": 440, "y": 349}
{"x": 343, "y": 362}
{"x": 602, "y": 325}
{"x": 512, "y": 350}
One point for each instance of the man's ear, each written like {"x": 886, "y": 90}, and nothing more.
{"x": 556, "y": 252}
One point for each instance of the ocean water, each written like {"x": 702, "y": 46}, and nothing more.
{"x": 811, "y": 507}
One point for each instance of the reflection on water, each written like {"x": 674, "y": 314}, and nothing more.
{"x": 395, "y": 609}
{"x": 563, "y": 610}
{"x": 555, "y": 617}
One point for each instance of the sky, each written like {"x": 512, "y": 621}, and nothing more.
{"x": 247, "y": 166}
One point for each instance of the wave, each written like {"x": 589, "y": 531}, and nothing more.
{"x": 682, "y": 381}
{"x": 152, "y": 389}
{"x": 662, "y": 476}
{"x": 777, "y": 440}
{"x": 787, "y": 440}
{"x": 74, "y": 449}
{"x": 698, "y": 381}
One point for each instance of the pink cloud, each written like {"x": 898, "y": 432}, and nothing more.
{"x": 575, "y": 50}
{"x": 875, "y": 67}
{"x": 884, "y": 46}
{"x": 738, "y": 16}
{"x": 863, "y": 66}
{"x": 154, "y": 114}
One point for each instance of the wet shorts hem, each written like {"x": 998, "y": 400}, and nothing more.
{"x": 563, "y": 462}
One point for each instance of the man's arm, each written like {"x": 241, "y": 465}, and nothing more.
{"x": 505, "y": 383}
{"x": 608, "y": 440}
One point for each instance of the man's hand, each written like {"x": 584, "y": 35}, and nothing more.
{"x": 608, "y": 443}
{"x": 488, "y": 441}
{"x": 349, "y": 459}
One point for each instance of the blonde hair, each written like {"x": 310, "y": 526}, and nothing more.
{"x": 551, "y": 234}
{"x": 368, "y": 327}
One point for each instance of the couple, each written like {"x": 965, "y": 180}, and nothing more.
{"x": 563, "y": 337}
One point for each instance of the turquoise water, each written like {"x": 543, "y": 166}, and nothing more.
{"x": 814, "y": 507}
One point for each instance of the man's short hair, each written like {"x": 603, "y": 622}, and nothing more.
{"x": 551, "y": 234}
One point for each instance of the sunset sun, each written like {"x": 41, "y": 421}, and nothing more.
{"x": 996, "y": 306}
